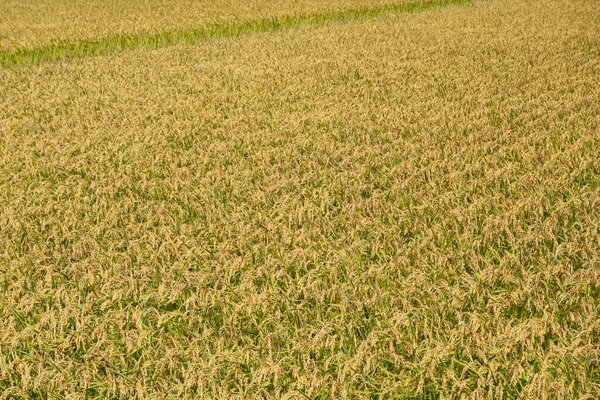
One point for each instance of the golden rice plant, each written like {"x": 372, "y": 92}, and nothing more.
{"x": 398, "y": 207}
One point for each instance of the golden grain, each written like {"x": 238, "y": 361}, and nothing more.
{"x": 34, "y": 23}
{"x": 399, "y": 207}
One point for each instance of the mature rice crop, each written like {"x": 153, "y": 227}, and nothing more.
{"x": 400, "y": 207}
{"x": 35, "y": 23}
{"x": 69, "y": 49}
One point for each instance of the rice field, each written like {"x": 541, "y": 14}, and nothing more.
{"x": 392, "y": 204}
{"x": 31, "y": 24}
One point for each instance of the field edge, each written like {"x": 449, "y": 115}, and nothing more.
{"x": 66, "y": 50}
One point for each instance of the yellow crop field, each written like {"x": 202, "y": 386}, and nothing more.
{"x": 34, "y": 23}
{"x": 400, "y": 205}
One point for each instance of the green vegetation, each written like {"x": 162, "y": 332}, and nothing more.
{"x": 398, "y": 207}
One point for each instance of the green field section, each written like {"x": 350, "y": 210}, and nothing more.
{"x": 30, "y": 24}
{"x": 399, "y": 207}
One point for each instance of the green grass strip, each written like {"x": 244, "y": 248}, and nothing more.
{"x": 67, "y": 50}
